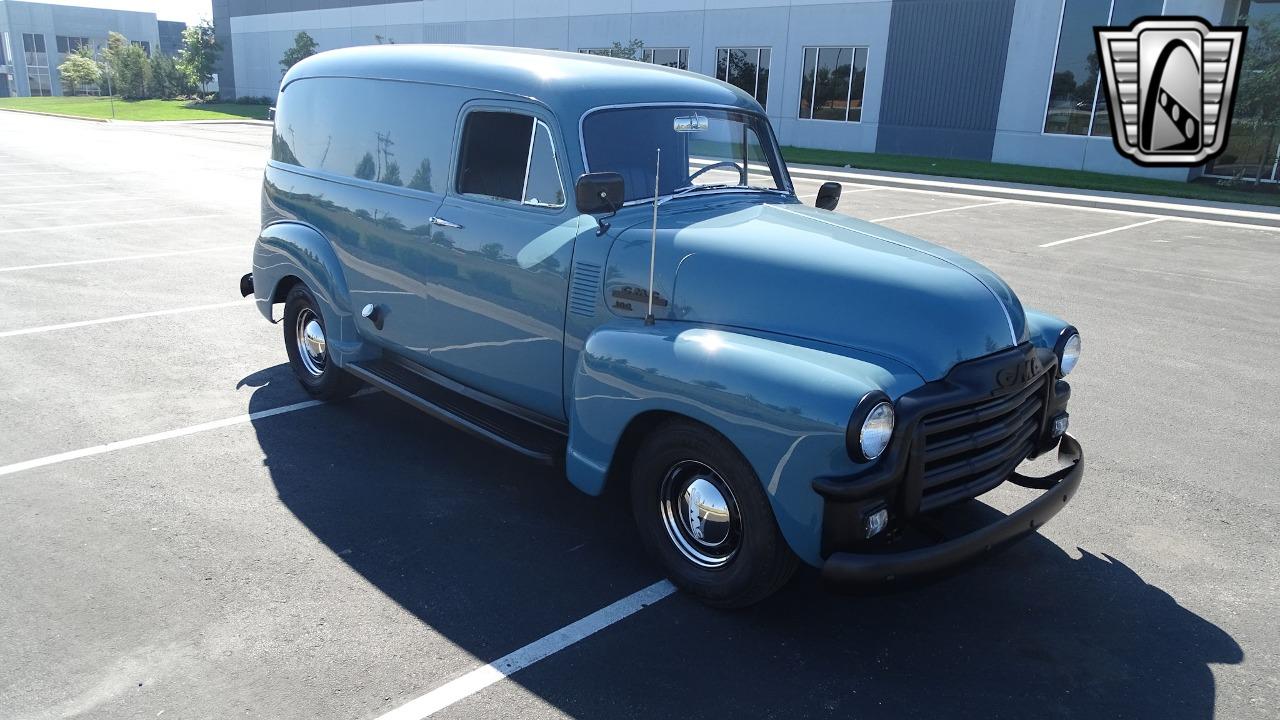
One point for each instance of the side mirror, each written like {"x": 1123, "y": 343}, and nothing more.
{"x": 828, "y": 196}
{"x": 599, "y": 193}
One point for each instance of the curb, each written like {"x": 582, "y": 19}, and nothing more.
{"x": 239, "y": 121}
{"x": 57, "y": 115}
{"x": 219, "y": 121}
{"x": 1140, "y": 204}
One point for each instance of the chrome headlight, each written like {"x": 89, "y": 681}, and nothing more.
{"x": 870, "y": 428}
{"x": 1069, "y": 352}
{"x": 876, "y": 431}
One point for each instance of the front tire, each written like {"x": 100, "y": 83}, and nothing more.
{"x": 703, "y": 515}
{"x": 305, "y": 340}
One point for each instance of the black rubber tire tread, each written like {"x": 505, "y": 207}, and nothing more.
{"x": 334, "y": 383}
{"x": 764, "y": 562}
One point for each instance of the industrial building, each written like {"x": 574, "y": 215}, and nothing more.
{"x": 36, "y": 37}
{"x": 170, "y": 36}
{"x": 1002, "y": 80}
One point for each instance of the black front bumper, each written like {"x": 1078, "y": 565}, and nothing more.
{"x": 859, "y": 569}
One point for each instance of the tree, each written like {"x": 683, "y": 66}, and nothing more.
{"x": 1258, "y": 103}
{"x": 167, "y": 79}
{"x": 304, "y": 46}
{"x": 366, "y": 169}
{"x": 422, "y": 177}
{"x": 128, "y": 66}
{"x": 79, "y": 69}
{"x": 633, "y": 50}
{"x": 391, "y": 174}
{"x": 199, "y": 55}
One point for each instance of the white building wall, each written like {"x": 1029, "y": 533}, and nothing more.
{"x": 702, "y": 26}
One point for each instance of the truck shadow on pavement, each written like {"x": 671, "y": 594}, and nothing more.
{"x": 492, "y": 553}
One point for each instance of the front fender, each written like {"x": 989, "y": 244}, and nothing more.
{"x": 1046, "y": 331}
{"x": 292, "y": 250}
{"x": 784, "y": 406}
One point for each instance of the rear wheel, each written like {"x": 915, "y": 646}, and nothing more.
{"x": 703, "y": 515}
{"x": 307, "y": 344}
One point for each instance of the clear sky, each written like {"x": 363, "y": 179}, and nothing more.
{"x": 188, "y": 11}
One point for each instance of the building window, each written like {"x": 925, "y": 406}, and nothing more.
{"x": 68, "y": 45}
{"x": 146, "y": 46}
{"x": 1073, "y": 89}
{"x": 831, "y": 83}
{"x": 37, "y": 65}
{"x": 668, "y": 57}
{"x": 33, "y": 46}
{"x": 1253, "y": 146}
{"x": 746, "y": 68}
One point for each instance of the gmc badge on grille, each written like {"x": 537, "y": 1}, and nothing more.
{"x": 1020, "y": 374}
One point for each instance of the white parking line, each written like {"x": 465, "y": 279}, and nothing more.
{"x": 95, "y": 261}
{"x": 56, "y": 185}
{"x": 42, "y": 172}
{"x": 119, "y": 318}
{"x": 109, "y": 223}
{"x": 942, "y": 210}
{"x": 154, "y": 437}
{"x": 1103, "y": 232}
{"x": 843, "y": 192}
{"x": 481, "y": 678}
{"x": 77, "y": 201}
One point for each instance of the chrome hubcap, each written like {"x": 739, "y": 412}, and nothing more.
{"x": 700, "y": 514}
{"x": 311, "y": 344}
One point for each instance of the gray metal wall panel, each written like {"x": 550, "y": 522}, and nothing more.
{"x": 226, "y": 65}
{"x": 943, "y": 77}
{"x": 240, "y": 8}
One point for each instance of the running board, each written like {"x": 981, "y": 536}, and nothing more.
{"x": 465, "y": 409}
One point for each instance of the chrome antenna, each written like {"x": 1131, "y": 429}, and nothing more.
{"x": 653, "y": 236}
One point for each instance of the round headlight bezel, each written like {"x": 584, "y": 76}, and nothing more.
{"x": 1068, "y": 350}
{"x": 870, "y": 415}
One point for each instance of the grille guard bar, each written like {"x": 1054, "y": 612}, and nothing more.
{"x": 967, "y": 381}
{"x": 856, "y": 569}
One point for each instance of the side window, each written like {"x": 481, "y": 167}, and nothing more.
{"x": 509, "y": 156}
{"x": 542, "y": 186}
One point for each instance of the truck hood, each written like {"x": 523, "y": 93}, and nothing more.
{"x": 808, "y": 273}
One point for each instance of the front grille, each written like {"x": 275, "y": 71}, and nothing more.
{"x": 970, "y": 449}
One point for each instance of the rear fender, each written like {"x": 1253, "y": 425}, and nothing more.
{"x": 287, "y": 252}
{"x": 784, "y": 406}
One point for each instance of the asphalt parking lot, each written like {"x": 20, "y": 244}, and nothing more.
{"x": 241, "y": 552}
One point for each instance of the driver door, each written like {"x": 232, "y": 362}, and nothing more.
{"x": 503, "y": 243}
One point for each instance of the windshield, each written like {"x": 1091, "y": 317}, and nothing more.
{"x": 702, "y": 149}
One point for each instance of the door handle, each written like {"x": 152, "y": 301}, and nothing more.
{"x": 444, "y": 223}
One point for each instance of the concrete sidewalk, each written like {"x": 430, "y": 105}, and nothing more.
{"x": 1142, "y": 204}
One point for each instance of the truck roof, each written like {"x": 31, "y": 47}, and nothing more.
{"x": 567, "y": 83}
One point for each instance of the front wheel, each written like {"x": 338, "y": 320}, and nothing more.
{"x": 307, "y": 344}
{"x": 703, "y": 515}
